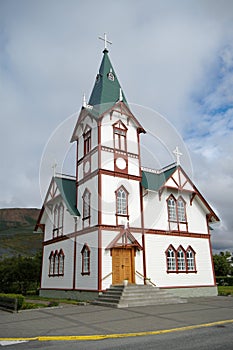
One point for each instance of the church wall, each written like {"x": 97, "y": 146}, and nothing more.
{"x": 87, "y": 281}
{"x": 197, "y": 222}
{"x": 94, "y": 138}
{"x": 107, "y": 238}
{"x": 68, "y": 220}
{"x": 156, "y": 213}
{"x": 92, "y": 186}
{"x": 111, "y": 184}
{"x": 58, "y": 282}
{"x": 107, "y": 131}
{"x": 156, "y": 246}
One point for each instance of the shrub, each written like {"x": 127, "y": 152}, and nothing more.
{"x": 224, "y": 280}
{"x": 19, "y": 297}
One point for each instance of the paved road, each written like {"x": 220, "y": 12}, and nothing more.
{"x": 94, "y": 320}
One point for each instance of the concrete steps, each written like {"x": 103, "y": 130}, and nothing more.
{"x": 120, "y": 296}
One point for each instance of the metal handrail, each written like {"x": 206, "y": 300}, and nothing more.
{"x": 108, "y": 275}
{"x": 145, "y": 278}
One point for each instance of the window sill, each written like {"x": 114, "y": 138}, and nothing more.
{"x": 181, "y": 271}
{"x": 85, "y": 273}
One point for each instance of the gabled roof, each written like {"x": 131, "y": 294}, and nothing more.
{"x": 160, "y": 179}
{"x": 67, "y": 188}
{"x": 106, "y": 90}
{"x": 155, "y": 180}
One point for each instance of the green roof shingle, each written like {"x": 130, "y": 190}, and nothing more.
{"x": 106, "y": 90}
{"x": 153, "y": 182}
{"x": 67, "y": 188}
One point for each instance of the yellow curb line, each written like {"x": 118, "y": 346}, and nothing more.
{"x": 120, "y": 335}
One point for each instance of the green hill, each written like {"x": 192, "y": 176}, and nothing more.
{"x": 16, "y": 232}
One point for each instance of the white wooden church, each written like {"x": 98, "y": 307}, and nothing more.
{"x": 117, "y": 221}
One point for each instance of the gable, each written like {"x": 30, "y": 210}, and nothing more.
{"x": 178, "y": 180}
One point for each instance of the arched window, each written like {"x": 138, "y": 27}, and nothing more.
{"x": 85, "y": 260}
{"x": 119, "y": 131}
{"x": 87, "y": 141}
{"x": 55, "y": 221}
{"x": 181, "y": 210}
{"x": 190, "y": 258}
{"x": 181, "y": 259}
{"x": 121, "y": 201}
{"x": 51, "y": 264}
{"x": 61, "y": 258}
{"x": 60, "y": 219}
{"x": 171, "y": 203}
{"x": 56, "y": 263}
{"x": 86, "y": 207}
{"x": 171, "y": 259}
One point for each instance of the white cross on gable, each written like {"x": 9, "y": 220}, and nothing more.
{"x": 178, "y": 154}
{"x": 105, "y": 41}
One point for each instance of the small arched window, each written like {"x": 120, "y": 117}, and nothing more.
{"x": 181, "y": 259}
{"x": 190, "y": 258}
{"x": 86, "y": 207}
{"x": 171, "y": 259}
{"x": 121, "y": 201}
{"x": 181, "y": 210}
{"x": 61, "y": 258}
{"x": 56, "y": 263}
{"x": 171, "y": 203}
{"x": 119, "y": 131}
{"x": 86, "y": 253}
{"x": 51, "y": 264}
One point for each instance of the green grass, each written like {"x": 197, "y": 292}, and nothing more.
{"x": 225, "y": 290}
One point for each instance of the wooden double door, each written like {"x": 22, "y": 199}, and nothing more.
{"x": 123, "y": 266}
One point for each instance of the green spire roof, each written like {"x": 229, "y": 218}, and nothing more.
{"x": 106, "y": 90}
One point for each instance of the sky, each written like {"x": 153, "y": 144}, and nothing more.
{"x": 173, "y": 58}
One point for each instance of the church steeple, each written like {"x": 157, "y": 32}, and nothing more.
{"x": 107, "y": 89}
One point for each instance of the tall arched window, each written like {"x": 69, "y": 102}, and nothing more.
{"x": 181, "y": 259}
{"x": 190, "y": 258}
{"x": 119, "y": 131}
{"x": 51, "y": 264}
{"x": 181, "y": 210}
{"x": 171, "y": 259}
{"x": 86, "y": 207}
{"x": 171, "y": 203}
{"x": 87, "y": 141}
{"x": 56, "y": 263}
{"x": 121, "y": 201}
{"x": 86, "y": 253}
{"x": 61, "y": 258}
{"x": 58, "y": 220}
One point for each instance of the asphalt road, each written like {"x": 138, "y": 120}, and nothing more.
{"x": 210, "y": 338}
{"x": 202, "y": 323}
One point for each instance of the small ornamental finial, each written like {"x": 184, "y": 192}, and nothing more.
{"x": 120, "y": 95}
{"x": 178, "y": 154}
{"x": 84, "y": 101}
{"x": 105, "y": 41}
{"x": 54, "y": 168}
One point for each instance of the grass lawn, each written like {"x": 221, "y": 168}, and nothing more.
{"x": 225, "y": 290}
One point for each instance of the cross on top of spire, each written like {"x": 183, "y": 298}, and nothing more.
{"x": 105, "y": 41}
{"x": 178, "y": 154}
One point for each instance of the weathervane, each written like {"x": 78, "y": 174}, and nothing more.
{"x": 105, "y": 41}
{"x": 178, "y": 154}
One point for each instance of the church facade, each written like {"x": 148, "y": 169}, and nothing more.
{"x": 117, "y": 221}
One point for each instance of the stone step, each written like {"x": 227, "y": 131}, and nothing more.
{"x": 136, "y": 295}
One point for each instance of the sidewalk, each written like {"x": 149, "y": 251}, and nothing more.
{"x": 92, "y": 320}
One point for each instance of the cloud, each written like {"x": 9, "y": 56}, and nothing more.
{"x": 173, "y": 57}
